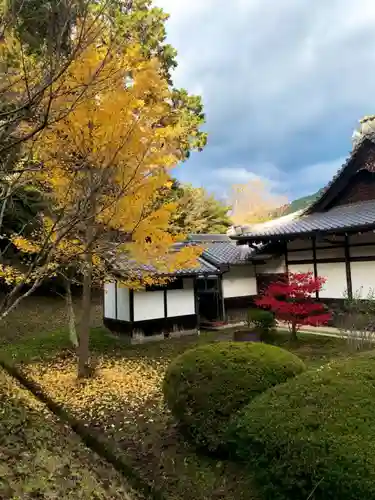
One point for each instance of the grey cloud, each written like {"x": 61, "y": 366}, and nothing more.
{"x": 283, "y": 82}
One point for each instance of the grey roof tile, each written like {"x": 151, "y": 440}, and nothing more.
{"x": 357, "y": 215}
{"x": 221, "y": 249}
{"x": 130, "y": 267}
{"x": 228, "y": 253}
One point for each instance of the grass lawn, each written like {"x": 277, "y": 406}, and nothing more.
{"x": 124, "y": 402}
{"x": 42, "y": 458}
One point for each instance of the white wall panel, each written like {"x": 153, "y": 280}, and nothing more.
{"x": 180, "y": 302}
{"x": 299, "y": 244}
{"x": 148, "y": 305}
{"x": 363, "y": 278}
{"x": 367, "y": 251}
{"x": 302, "y": 255}
{"x": 330, "y": 253}
{"x": 333, "y": 242}
{"x": 336, "y": 285}
{"x": 109, "y": 301}
{"x": 362, "y": 238}
{"x": 123, "y": 310}
{"x": 188, "y": 283}
{"x": 300, "y": 268}
{"x": 239, "y": 282}
{"x": 274, "y": 266}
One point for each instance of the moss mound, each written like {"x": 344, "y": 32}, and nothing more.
{"x": 204, "y": 386}
{"x": 313, "y": 437}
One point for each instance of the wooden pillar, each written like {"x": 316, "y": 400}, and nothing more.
{"x": 116, "y": 308}
{"x": 286, "y": 257}
{"x": 165, "y": 303}
{"x": 314, "y": 261}
{"x": 349, "y": 285}
{"x": 131, "y": 305}
{"x": 221, "y": 295}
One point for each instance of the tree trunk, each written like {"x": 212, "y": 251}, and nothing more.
{"x": 84, "y": 333}
{"x": 70, "y": 313}
{"x": 293, "y": 333}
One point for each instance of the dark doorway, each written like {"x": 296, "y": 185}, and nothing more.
{"x": 210, "y": 302}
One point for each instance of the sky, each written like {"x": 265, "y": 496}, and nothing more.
{"x": 283, "y": 83}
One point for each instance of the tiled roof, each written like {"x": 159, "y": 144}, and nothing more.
{"x": 228, "y": 253}
{"x": 128, "y": 267}
{"x": 219, "y": 249}
{"x": 356, "y": 215}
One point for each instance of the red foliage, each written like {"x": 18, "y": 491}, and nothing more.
{"x": 293, "y": 301}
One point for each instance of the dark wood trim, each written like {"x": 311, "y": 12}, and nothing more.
{"x": 370, "y": 258}
{"x": 165, "y": 296}
{"x": 223, "y": 314}
{"x": 315, "y": 265}
{"x": 339, "y": 183}
{"x": 327, "y": 247}
{"x": 333, "y": 260}
{"x": 151, "y": 327}
{"x": 131, "y": 305}
{"x": 286, "y": 258}
{"x": 116, "y": 308}
{"x": 348, "y": 268}
{"x": 295, "y": 250}
{"x": 279, "y": 238}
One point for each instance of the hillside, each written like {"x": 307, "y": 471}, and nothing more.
{"x": 301, "y": 203}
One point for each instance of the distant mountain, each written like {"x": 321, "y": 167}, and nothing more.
{"x": 301, "y": 203}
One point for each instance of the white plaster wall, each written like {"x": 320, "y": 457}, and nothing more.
{"x": 274, "y": 266}
{"x": 180, "y": 302}
{"x": 297, "y": 244}
{"x": 239, "y": 282}
{"x": 123, "y": 306}
{"x": 362, "y": 238}
{"x": 363, "y": 278}
{"x": 330, "y": 253}
{"x": 325, "y": 243}
{"x": 368, "y": 251}
{"x": 302, "y": 255}
{"x": 188, "y": 283}
{"x": 335, "y": 286}
{"x": 148, "y": 305}
{"x": 301, "y": 268}
{"x": 109, "y": 301}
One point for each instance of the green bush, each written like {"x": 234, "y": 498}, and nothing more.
{"x": 262, "y": 319}
{"x": 315, "y": 433}
{"x": 204, "y": 386}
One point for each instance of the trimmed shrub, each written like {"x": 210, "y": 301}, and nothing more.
{"x": 204, "y": 386}
{"x": 262, "y": 319}
{"x": 314, "y": 436}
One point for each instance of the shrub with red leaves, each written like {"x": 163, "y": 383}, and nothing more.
{"x": 293, "y": 301}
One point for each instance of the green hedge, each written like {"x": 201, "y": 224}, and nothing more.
{"x": 204, "y": 386}
{"x": 315, "y": 433}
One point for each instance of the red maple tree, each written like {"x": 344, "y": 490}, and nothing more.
{"x": 293, "y": 301}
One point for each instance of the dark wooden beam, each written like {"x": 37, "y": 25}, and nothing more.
{"x": 286, "y": 257}
{"x": 349, "y": 285}
{"x": 131, "y": 305}
{"x": 116, "y": 314}
{"x": 315, "y": 264}
{"x": 333, "y": 260}
{"x": 165, "y": 303}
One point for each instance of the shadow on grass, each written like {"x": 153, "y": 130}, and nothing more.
{"x": 122, "y": 407}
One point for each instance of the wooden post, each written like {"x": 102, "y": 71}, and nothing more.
{"x": 349, "y": 285}
{"x": 314, "y": 262}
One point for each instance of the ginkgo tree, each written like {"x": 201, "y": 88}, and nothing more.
{"x": 103, "y": 167}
